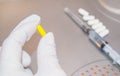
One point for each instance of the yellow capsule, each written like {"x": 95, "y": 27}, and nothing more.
{"x": 41, "y": 30}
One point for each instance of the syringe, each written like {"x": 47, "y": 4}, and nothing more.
{"x": 95, "y": 38}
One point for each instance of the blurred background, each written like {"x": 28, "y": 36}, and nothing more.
{"x": 73, "y": 47}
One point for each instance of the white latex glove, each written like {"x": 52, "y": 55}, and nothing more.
{"x": 11, "y": 52}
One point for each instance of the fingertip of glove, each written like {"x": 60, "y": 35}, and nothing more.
{"x": 48, "y": 39}
{"x": 33, "y": 17}
{"x": 50, "y": 35}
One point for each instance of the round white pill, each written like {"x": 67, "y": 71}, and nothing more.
{"x": 98, "y": 25}
{"x": 92, "y": 22}
{"x": 26, "y": 59}
{"x": 100, "y": 29}
{"x": 83, "y": 12}
{"x": 88, "y": 17}
{"x": 104, "y": 33}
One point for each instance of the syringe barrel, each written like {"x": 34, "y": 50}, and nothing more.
{"x": 112, "y": 54}
{"x": 96, "y": 39}
{"x": 104, "y": 46}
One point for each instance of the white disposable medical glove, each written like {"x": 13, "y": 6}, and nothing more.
{"x": 11, "y": 52}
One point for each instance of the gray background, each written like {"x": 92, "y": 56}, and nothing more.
{"x": 73, "y": 47}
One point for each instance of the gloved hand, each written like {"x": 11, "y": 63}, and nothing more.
{"x": 11, "y": 51}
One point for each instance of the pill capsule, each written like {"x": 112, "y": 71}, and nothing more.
{"x": 104, "y": 33}
{"x": 89, "y": 17}
{"x": 92, "y": 22}
{"x": 100, "y": 29}
{"x": 83, "y": 12}
{"x": 98, "y": 25}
